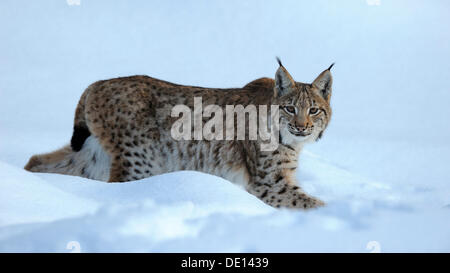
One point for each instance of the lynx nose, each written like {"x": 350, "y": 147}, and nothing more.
{"x": 300, "y": 128}
{"x": 297, "y": 128}
{"x": 302, "y": 125}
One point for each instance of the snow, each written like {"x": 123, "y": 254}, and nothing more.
{"x": 382, "y": 165}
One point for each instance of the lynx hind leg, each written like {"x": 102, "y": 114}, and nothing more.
{"x": 90, "y": 162}
{"x": 119, "y": 172}
{"x": 284, "y": 195}
{"x": 132, "y": 163}
{"x": 50, "y": 162}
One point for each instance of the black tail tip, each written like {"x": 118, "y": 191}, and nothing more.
{"x": 80, "y": 134}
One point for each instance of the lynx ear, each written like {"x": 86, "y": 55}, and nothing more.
{"x": 283, "y": 81}
{"x": 323, "y": 83}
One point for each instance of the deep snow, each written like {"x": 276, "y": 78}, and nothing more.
{"x": 382, "y": 166}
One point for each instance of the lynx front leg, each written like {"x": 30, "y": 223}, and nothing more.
{"x": 282, "y": 192}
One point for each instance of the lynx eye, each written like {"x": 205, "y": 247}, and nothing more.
{"x": 290, "y": 109}
{"x": 313, "y": 110}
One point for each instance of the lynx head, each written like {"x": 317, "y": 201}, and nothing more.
{"x": 304, "y": 108}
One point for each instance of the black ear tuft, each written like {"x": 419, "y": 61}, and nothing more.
{"x": 279, "y": 61}
{"x": 330, "y": 66}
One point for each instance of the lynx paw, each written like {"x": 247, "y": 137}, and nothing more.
{"x": 33, "y": 163}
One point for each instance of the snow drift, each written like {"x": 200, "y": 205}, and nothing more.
{"x": 382, "y": 165}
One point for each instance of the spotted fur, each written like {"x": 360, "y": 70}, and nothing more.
{"x": 122, "y": 133}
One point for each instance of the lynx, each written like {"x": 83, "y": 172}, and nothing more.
{"x": 122, "y": 133}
